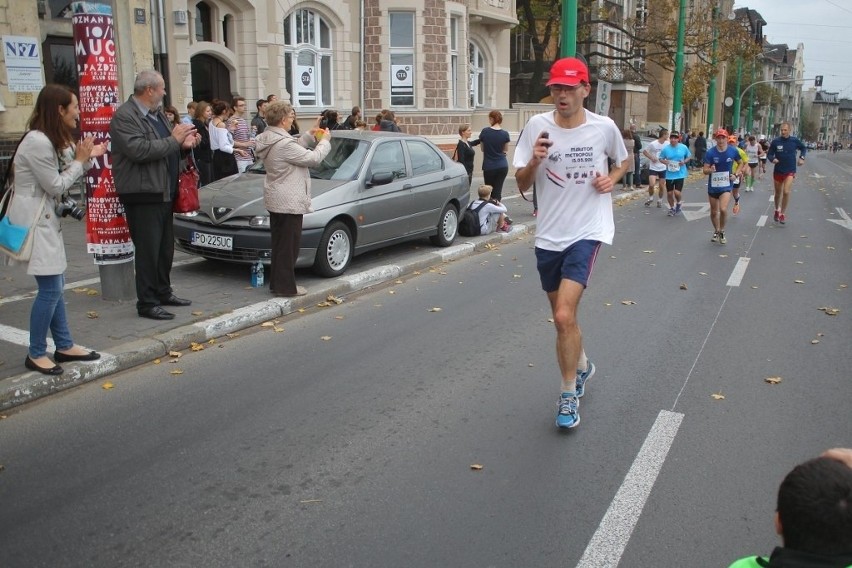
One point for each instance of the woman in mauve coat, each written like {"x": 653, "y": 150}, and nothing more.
{"x": 287, "y": 190}
{"x": 47, "y": 163}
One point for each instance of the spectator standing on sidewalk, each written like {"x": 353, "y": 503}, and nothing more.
{"x": 41, "y": 182}
{"x": 465, "y": 154}
{"x": 627, "y": 180}
{"x": 699, "y": 149}
{"x": 243, "y": 141}
{"x": 637, "y": 158}
{"x": 782, "y": 153}
{"x": 146, "y": 157}
{"x": 495, "y": 145}
{"x": 565, "y": 152}
{"x": 203, "y": 153}
{"x": 258, "y": 123}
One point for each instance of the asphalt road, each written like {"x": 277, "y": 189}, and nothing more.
{"x": 345, "y": 436}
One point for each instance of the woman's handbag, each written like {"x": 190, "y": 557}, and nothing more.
{"x": 186, "y": 200}
{"x": 16, "y": 241}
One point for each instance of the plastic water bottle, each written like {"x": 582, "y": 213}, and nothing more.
{"x": 257, "y": 274}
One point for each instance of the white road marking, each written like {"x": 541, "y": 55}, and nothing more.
{"x": 761, "y": 222}
{"x": 739, "y": 271}
{"x": 613, "y": 533}
{"x": 22, "y": 337}
{"x": 700, "y": 210}
{"x": 845, "y": 221}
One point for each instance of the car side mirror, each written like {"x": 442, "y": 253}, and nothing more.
{"x": 381, "y": 178}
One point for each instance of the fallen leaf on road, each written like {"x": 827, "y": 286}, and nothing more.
{"x": 197, "y": 313}
{"x": 530, "y": 364}
{"x": 308, "y": 501}
{"x": 773, "y": 380}
{"x": 391, "y": 292}
{"x": 612, "y": 256}
{"x": 830, "y": 311}
{"x": 607, "y": 304}
{"x": 516, "y": 276}
{"x": 754, "y": 287}
{"x": 232, "y": 335}
{"x": 80, "y": 290}
{"x": 2, "y": 467}
{"x": 267, "y": 324}
{"x": 799, "y": 262}
{"x": 326, "y": 337}
{"x": 648, "y": 251}
{"x": 92, "y": 293}
{"x": 175, "y": 372}
{"x": 723, "y": 256}
{"x": 277, "y": 329}
{"x": 628, "y": 302}
{"x": 176, "y": 354}
{"x": 844, "y": 285}
{"x": 338, "y": 317}
{"x": 92, "y": 315}
{"x": 416, "y": 272}
{"x": 476, "y": 467}
{"x": 211, "y": 341}
{"x": 301, "y": 310}
{"x": 550, "y": 320}
{"x": 334, "y": 299}
{"x": 799, "y": 281}
{"x": 435, "y": 310}
{"x": 829, "y": 247}
{"x": 703, "y": 273}
{"x": 156, "y": 361}
{"x": 683, "y": 287}
{"x": 196, "y": 346}
{"x": 814, "y": 341}
{"x": 718, "y": 396}
{"x": 107, "y": 386}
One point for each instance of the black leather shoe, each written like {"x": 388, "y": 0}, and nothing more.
{"x": 175, "y": 301}
{"x": 55, "y": 370}
{"x": 61, "y": 357}
{"x": 156, "y": 313}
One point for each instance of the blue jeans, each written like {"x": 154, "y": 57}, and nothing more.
{"x": 49, "y": 313}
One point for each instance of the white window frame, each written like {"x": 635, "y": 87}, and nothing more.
{"x": 318, "y": 47}
{"x": 455, "y": 28}
{"x": 477, "y": 75}
{"x": 402, "y": 60}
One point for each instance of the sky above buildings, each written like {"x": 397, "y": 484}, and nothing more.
{"x": 825, "y": 29}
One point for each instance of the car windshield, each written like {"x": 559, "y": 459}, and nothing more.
{"x": 342, "y": 163}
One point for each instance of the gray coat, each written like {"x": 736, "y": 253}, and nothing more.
{"x": 37, "y": 174}
{"x": 139, "y": 154}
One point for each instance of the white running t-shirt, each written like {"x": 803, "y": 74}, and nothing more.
{"x": 569, "y": 207}
{"x": 654, "y": 148}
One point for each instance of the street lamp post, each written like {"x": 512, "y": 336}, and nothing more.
{"x": 677, "y": 99}
{"x": 711, "y": 90}
{"x": 750, "y": 117}
{"x": 739, "y": 99}
{"x": 569, "y": 28}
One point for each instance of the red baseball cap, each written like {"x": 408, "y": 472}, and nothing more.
{"x": 721, "y": 132}
{"x": 568, "y": 71}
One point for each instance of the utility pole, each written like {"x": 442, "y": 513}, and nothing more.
{"x": 569, "y": 28}
{"x": 750, "y": 118}
{"x": 738, "y": 99}
{"x": 711, "y": 90}
{"x": 677, "y": 99}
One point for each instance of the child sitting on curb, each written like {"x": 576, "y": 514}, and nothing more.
{"x": 492, "y": 217}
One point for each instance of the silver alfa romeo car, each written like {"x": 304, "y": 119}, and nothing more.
{"x": 372, "y": 190}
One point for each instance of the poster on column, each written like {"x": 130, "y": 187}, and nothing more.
{"x": 107, "y": 235}
{"x": 603, "y": 98}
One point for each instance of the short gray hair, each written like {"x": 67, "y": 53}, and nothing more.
{"x": 277, "y": 111}
{"x": 145, "y": 79}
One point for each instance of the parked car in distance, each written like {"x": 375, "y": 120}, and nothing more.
{"x": 373, "y": 189}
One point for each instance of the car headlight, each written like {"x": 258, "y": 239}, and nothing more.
{"x": 259, "y": 221}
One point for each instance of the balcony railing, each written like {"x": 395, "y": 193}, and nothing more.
{"x": 617, "y": 73}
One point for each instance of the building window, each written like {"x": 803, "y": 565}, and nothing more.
{"x": 203, "y": 22}
{"x": 308, "y": 59}
{"x": 639, "y": 59}
{"x": 60, "y": 63}
{"x": 477, "y": 76}
{"x": 641, "y": 13}
{"x": 402, "y": 58}
{"x": 454, "y": 61}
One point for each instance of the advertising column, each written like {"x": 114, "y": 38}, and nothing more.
{"x": 107, "y": 235}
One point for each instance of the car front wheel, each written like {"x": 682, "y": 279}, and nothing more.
{"x": 448, "y": 227}
{"x": 335, "y": 250}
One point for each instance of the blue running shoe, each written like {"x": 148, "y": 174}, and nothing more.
{"x": 582, "y": 377}
{"x": 568, "y": 417}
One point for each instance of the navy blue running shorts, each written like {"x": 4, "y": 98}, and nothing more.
{"x": 574, "y": 263}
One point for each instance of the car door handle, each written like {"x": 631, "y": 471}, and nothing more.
{"x": 407, "y": 186}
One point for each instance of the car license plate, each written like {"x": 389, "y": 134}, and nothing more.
{"x": 212, "y": 241}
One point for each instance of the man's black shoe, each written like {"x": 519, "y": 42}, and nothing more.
{"x": 175, "y": 301}
{"x": 156, "y": 313}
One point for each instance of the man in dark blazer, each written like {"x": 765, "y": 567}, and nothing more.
{"x": 146, "y": 155}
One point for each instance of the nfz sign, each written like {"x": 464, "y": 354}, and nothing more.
{"x": 23, "y": 63}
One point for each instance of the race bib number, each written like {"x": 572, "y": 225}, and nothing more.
{"x": 720, "y": 179}
{"x": 673, "y": 166}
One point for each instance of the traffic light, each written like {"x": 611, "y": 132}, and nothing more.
{"x": 818, "y": 81}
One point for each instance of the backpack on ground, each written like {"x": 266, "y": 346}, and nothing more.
{"x": 469, "y": 225}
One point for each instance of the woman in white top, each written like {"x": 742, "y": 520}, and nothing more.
{"x": 753, "y": 151}
{"x": 222, "y": 142}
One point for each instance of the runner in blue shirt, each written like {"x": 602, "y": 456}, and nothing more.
{"x": 782, "y": 153}
{"x": 675, "y": 156}
{"x": 718, "y": 164}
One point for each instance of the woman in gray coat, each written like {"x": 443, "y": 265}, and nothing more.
{"x": 47, "y": 163}
{"x": 287, "y": 189}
